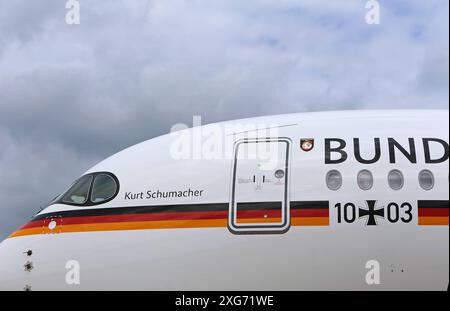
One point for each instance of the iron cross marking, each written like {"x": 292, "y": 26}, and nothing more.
{"x": 372, "y": 213}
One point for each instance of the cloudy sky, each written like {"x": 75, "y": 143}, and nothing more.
{"x": 71, "y": 95}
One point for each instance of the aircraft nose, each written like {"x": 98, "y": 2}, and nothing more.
{"x": 16, "y": 265}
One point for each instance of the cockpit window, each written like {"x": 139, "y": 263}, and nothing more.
{"x": 79, "y": 193}
{"x": 104, "y": 188}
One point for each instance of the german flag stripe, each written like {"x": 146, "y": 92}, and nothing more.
{"x": 132, "y": 218}
{"x": 434, "y": 204}
{"x": 310, "y": 213}
{"x": 152, "y": 209}
{"x": 121, "y": 226}
{"x": 310, "y": 205}
{"x": 433, "y": 221}
{"x": 312, "y": 221}
{"x": 259, "y": 212}
{"x": 433, "y": 213}
{"x": 172, "y": 217}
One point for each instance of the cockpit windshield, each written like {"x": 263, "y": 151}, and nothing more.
{"x": 103, "y": 189}
{"x": 91, "y": 189}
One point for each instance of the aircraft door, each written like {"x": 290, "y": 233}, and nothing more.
{"x": 260, "y": 186}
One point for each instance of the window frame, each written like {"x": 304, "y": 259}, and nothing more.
{"x": 431, "y": 175}
{"x": 91, "y": 198}
{"x": 402, "y": 178}
{"x": 91, "y": 186}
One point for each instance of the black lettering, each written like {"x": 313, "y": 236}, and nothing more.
{"x": 426, "y": 146}
{"x": 410, "y": 155}
{"x": 393, "y": 212}
{"x": 329, "y": 150}
{"x": 346, "y": 213}
{"x": 134, "y": 196}
{"x": 408, "y": 212}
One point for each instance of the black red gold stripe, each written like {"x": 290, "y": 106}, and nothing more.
{"x": 259, "y": 212}
{"x": 307, "y": 213}
{"x": 433, "y": 213}
{"x": 168, "y": 217}
{"x": 310, "y": 213}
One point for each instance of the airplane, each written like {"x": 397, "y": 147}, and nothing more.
{"x": 326, "y": 201}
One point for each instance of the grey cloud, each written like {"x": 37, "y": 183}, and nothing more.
{"x": 32, "y": 174}
{"x": 23, "y": 20}
{"x": 433, "y": 76}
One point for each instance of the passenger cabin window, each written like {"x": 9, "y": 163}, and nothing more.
{"x": 104, "y": 188}
{"x": 365, "y": 180}
{"x": 426, "y": 180}
{"x": 396, "y": 180}
{"x": 334, "y": 180}
{"x": 78, "y": 194}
